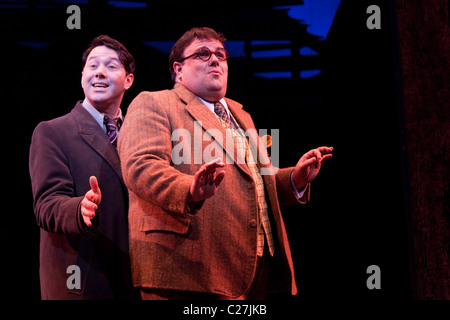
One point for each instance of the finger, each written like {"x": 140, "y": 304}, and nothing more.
{"x": 318, "y": 155}
{"x": 309, "y": 162}
{"x": 219, "y": 178}
{"x": 94, "y": 184}
{"x": 309, "y": 154}
{"x": 85, "y": 213}
{"x": 90, "y": 196}
{"x": 326, "y": 157}
{"x": 306, "y": 163}
{"x": 87, "y": 221}
{"x": 212, "y": 169}
{"x": 324, "y": 150}
{"x": 213, "y": 165}
{"x": 199, "y": 175}
{"x": 88, "y": 205}
{"x": 215, "y": 161}
{"x": 96, "y": 198}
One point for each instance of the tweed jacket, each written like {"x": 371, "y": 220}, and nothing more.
{"x": 166, "y": 137}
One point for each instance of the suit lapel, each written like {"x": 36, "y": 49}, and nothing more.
{"x": 210, "y": 123}
{"x": 247, "y": 124}
{"x": 244, "y": 119}
{"x": 96, "y": 138}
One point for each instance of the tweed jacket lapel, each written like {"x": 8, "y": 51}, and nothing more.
{"x": 94, "y": 136}
{"x": 246, "y": 122}
{"x": 209, "y": 122}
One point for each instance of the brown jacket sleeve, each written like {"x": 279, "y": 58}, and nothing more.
{"x": 284, "y": 188}
{"x": 55, "y": 207}
{"x": 144, "y": 149}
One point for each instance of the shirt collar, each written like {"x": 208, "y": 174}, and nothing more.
{"x": 97, "y": 115}
{"x": 210, "y": 105}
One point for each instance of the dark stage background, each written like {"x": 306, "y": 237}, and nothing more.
{"x": 359, "y": 214}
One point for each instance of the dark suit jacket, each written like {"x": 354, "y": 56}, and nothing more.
{"x": 213, "y": 249}
{"x": 64, "y": 153}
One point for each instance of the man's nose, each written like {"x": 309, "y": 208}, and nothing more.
{"x": 100, "y": 72}
{"x": 213, "y": 60}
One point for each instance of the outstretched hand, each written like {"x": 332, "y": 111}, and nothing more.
{"x": 308, "y": 166}
{"x": 206, "y": 181}
{"x": 91, "y": 201}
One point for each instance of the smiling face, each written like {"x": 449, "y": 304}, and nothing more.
{"x": 104, "y": 80}
{"x": 207, "y": 79}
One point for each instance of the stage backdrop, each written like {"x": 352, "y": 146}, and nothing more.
{"x": 369, "y": 78}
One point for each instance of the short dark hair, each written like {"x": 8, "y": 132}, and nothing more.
{"x": 176, "y": 54}
{"x": 126, "y": 59}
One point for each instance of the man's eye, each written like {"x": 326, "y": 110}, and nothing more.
{"x": 92, "y": 66}
{"x": 203, "y": 54}
{"x": 220, "y": 55}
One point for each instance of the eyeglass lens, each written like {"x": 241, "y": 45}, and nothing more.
{"x": 205, "y": 54}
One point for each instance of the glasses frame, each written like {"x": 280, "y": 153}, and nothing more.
{"x": 197, "y": 54}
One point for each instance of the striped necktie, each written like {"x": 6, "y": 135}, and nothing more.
{"x": 112, "y": 129}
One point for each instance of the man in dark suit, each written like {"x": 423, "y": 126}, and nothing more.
{"x": 196, "y": 232}
{"x": 80, "y": 200}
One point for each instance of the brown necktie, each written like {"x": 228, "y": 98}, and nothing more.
{"x": 219, "y": 109}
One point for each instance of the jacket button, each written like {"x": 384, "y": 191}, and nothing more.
{"x": 253, "y": 223}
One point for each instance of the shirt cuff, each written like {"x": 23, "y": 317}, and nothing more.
{"x": 297, "y": 193}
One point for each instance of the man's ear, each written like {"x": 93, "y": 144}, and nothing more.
{"x": 178, "y": 68}
{"x": 129, "y": 81}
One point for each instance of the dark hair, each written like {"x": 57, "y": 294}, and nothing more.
{"x": 176, "y": 54}
{"x": 126, "y": 59}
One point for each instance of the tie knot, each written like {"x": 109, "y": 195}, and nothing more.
{"x": 112, "y": 128}
{"x": 111, "y": 124}
{"x": 219, "y": 109}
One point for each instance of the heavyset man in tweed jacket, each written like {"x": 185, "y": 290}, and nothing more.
{"x": 206, "y": 224}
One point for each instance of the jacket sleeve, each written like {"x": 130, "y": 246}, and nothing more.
{"x": 284, "y": 188}
{"x": 55, "y": 205}
{"x": 145, "y": 149}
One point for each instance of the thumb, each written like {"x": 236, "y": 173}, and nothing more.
{"x": 219, "y": 178}
{"x": 94, "y": 184}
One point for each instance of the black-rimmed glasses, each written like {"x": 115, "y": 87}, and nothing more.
{"x": 205, "y": 54}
